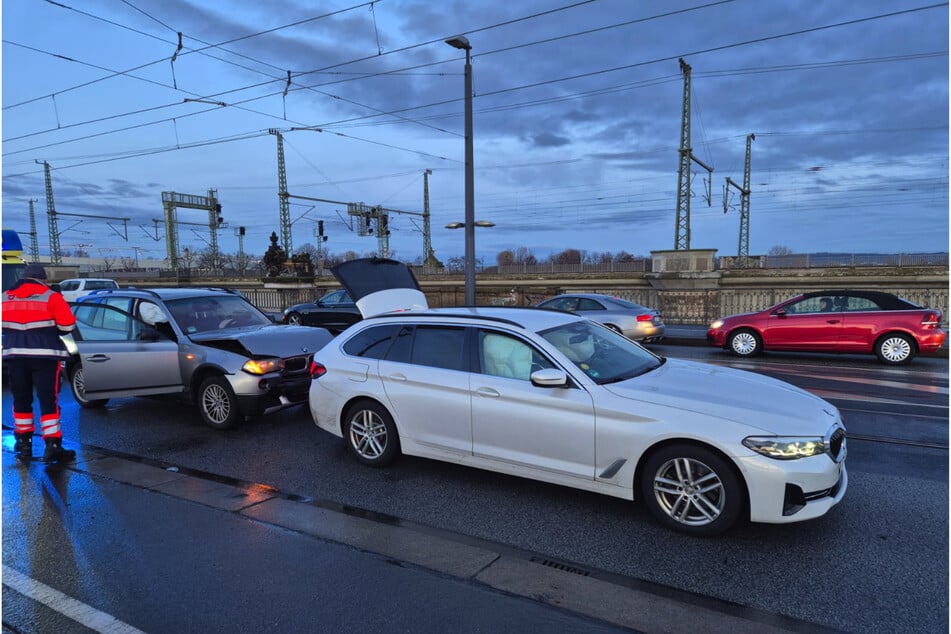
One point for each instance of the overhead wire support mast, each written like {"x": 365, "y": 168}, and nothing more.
{"x": 287, "y": 240}
{"x": 56, "y": 258}
{"x": 743, "y": 249}
{"x": 682, "y": 227}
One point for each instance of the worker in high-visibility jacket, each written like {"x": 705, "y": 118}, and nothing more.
{"x": 34, "y": 317}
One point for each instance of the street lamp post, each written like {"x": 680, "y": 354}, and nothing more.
{"x": 461, "y": 42}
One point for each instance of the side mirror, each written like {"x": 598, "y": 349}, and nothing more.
{"x": 781, "y": 313}
{"x": 549, "y": 377}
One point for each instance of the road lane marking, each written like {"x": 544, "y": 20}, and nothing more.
{"x": 65, "y": 605}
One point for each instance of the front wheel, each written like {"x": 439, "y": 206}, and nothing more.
{"x": 77, "y": 383}
{"x": 745, "y": 343}
{"x": 294, "y": 319}
{"x": 371, "y": 434}
{"x": 895, "y": 349}
{"x": 218, "y": 404}
{"x": 692, "y": 489}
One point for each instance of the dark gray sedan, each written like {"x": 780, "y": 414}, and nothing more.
{"x": 335, "y": 311}
{"x": 634, "y": 321}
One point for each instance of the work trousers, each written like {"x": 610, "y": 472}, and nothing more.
{"x": 42, "y": 376}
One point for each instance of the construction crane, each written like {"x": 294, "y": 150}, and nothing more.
{"x": 682, "y": 226}
{"x": 743, "y": 249}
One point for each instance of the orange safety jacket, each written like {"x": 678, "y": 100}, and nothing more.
{"x": 34, "y": 316}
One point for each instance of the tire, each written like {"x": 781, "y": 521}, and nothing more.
{"x": 217, "y": 403}
{"x": 692, "y": 489}
{"x": 77, "y": 384}
{"x": 895, "y": 349}
{"x": 745, "y": 343}
{"x": 370, "y": 434}
{"x": 294, "y": 319}
{"x": 614, "y": 328}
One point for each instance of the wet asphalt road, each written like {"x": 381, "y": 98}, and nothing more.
{"x": 876, "y": 563}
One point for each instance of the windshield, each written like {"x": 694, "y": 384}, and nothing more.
{"x": 601, "y": 353}
{"x": 206, "y": 314}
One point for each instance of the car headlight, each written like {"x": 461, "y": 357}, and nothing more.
{"x": 786, "y": 447}
{"x": 717, "y": 324}
{"x": 263, "y": 366}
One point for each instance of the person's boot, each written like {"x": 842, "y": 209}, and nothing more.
{"x": 55, "y": 452}
{"x": 23, "y": 447}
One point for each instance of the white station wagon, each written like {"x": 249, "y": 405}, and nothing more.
{"x": 559, "y": 398}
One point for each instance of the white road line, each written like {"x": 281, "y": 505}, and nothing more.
{"x": 65, "y": 605}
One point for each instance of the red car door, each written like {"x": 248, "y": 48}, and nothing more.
{"x": 803, "y": 325}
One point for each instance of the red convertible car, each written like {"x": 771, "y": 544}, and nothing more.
{"x": 892, "y": 328}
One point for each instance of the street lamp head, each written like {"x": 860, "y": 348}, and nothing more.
{"x": 455, "y": 225}
{"x": 460, "y": 42}
{"x": 484, "y": 223}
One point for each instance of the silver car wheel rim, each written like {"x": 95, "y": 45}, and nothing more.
{"x": 294, "y": 320}
{"x": 896, "y": 349}
{"x": 216, "y": 403}
{"x": 689, "y": 492}
{"x": 79, "y": 383}
{"x": 368, "y": 434}
{"x": 744, "y": 343}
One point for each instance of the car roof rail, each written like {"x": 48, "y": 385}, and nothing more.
{"x": 409, "y": 313}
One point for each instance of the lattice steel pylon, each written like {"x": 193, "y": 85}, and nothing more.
{"x": 56, "y": 258}
{"x": 287, "y": 240}
{"x": 682, "y": 225}
{"x": 743, "y": 248}
{"x": 34, "y": 238}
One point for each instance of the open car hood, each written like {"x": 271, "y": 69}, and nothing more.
{"x": 380, "y": 285}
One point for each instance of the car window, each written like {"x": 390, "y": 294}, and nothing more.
{"x": 629, "y": 305}
{"x": 567, "y": 304}
{"x": 371, "y": 343}
{"x": 439, "y": 346}
{"x": 602, "y": 354}
{"x": 506, "y": 356}
{"x": 98, "y": 322}
{"x": 69, "y": 285}
{"x": 122, "y": 303}
{"x": 586, "y": 303}
{"x": 808, "y": 305}
{"x": 860, "y": 303}
{"x": 92, "y": 285}
{"x": 205, "y": 314}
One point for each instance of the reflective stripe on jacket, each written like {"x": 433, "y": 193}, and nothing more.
{"x": 34, "y": 316}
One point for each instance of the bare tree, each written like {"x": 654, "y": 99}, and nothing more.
{"x": 779, "y": 250}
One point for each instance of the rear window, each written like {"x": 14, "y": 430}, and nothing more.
{"x": 97, "y": 285}
{"x": 371, "y": 343}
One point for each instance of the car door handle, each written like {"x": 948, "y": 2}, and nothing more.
{"x": 488, "y": 391}
{"x": 398, "y": 377}
{"x": 832, "y": 321}
{"x": 97, "y": 358}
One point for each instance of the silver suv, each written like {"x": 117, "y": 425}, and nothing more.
{"x": 211, "y": 345}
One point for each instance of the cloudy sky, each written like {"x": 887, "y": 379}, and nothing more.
{"x": 577, "y": 121}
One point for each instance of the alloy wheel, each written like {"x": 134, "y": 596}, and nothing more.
{"x": 689, "y": 492}
{"x": 368, "y": 434}
{"x": 215, "y": 402}
{"x": 895, "y": 349}
{"x": 744, "y": 343}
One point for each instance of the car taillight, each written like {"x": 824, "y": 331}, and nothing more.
{"x": 317, "y": 370}
{"x": 645, "y": 318}
{"x": 931, "y": 319}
